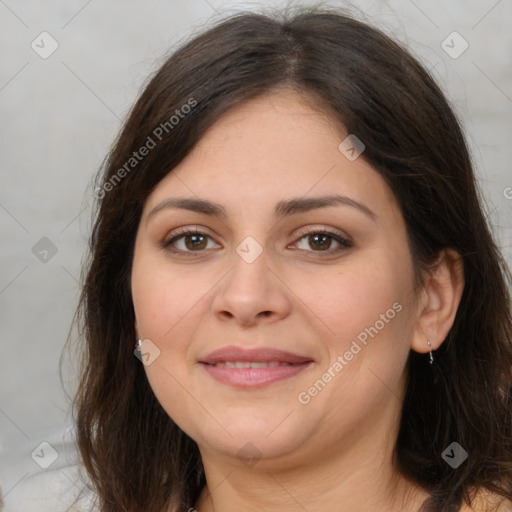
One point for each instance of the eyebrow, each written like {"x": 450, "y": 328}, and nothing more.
{"x": 283, "y": 209}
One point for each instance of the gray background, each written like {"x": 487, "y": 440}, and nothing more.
{"x": 59, "y": 116}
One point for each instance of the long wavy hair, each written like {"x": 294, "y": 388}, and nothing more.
{"x": 135, "y": 456}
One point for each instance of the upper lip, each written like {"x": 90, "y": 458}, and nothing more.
{"x": 263, "y": 354}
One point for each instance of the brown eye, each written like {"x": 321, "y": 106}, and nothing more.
{"x": 322, "y": 241}
{"x": 193, "y": 242}
{"x": 188, "y": 241}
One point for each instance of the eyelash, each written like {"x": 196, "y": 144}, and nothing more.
{"x": 345, "y": 243}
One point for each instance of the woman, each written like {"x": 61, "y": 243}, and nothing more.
{"x": 290, "y": 232}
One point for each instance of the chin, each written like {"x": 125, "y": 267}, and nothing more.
{"x": 252, "y": 442}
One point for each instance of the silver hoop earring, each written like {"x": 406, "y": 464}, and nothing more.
{"x": 431, "y": 356}
{"x": 138, "y": 346}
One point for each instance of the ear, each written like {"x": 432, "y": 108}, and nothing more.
{"x": 136, "y": 329}
{"x": 439, "y": 301}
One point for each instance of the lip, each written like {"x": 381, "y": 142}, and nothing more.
{"x": 260, "y": 355}
{"x": 253, "y": 377}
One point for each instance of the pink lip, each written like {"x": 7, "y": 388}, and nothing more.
{"x": 263, "y": 354}
{"x": 253, "y": 377}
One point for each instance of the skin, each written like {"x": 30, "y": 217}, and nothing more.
{"x": 337, "y": 448}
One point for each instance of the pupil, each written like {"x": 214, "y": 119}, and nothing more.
{"x": 195, "y": 241}
{"x": 324, "y": 244}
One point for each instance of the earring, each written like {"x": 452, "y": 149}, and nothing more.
{"x": 431, "y": 356}
{"x": 138, "y": 348}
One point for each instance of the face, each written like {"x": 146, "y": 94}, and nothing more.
{"x": 273, "y": 280}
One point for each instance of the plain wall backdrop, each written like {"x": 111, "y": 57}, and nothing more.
{"x": 60, "y": 113}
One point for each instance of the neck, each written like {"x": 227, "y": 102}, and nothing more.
{"x": 276, "y": 491}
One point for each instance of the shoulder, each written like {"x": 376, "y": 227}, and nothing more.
{"x": 486, "y": 501}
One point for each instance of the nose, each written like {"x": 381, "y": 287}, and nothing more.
{"x": 251, "y": 293}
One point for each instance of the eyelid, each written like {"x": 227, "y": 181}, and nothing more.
{"x": 344, "y": 241}
{"x": 309, "y": 230}
{"x": 184, "y": 231}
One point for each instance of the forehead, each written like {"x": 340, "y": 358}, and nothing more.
{"x": 267, "y": 149}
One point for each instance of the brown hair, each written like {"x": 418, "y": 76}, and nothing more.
{"x": 134, "y": 454}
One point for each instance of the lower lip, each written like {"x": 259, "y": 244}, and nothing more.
{"x": 253, "y": 377}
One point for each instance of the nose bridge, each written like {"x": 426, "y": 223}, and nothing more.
{"x": 249, "y": 275}
{"x": 250, "y": 290}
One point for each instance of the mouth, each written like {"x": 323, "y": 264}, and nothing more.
{"x": 253, "y": 368}
{"x": 250, "y": 364}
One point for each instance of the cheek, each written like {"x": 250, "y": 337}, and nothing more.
{"x": 365, "y": 299}
{"x": 167, "y": 305}
{"x": 368, "y": 314}
{"x": 164, "y": 297}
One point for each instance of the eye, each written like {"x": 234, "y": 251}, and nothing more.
{"x": 322, "y": 241}
{"x": 189, "y": 240}
{"x": 192, "y": 240}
